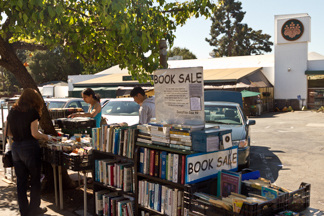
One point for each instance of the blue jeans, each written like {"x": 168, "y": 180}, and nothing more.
{"x": 27, "y": 162}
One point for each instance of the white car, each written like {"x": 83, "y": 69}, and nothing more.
{"x": 103, "y": 101}
{"x": 120, "y": 110}
{"x": 66, "y": 103}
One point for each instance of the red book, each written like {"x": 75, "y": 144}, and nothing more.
{"x": 183, "y": 165}
{"x": 152, "y": 165}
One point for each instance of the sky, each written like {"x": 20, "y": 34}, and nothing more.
{"x": 259, "y": 16}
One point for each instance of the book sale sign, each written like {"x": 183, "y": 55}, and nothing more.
{"x": 179, "y": 96}
{"x": 203, "y": 166}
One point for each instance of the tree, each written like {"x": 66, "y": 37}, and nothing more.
{"x": 95, "y": 31}
{"x": 177, "y": 51}
{"x": 231, "y": 37}
{"x": 53, "y": 65}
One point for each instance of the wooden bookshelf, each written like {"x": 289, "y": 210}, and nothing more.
{"x": 151, "y": 211}
{"x": 119, "y": 190}
{"x": 161, "y": 181}
{"x": 165, "y": 148}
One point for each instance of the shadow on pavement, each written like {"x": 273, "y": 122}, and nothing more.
{"x": 264, "y": 160}
{"x": 8, "y": 197}
{"x": 312, "y": 212}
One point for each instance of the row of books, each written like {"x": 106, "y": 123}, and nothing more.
{"x": 164, "y": 199}
{"x": 118, "y": 139}
{"x": 162, "y": 164}
{"x": 111, "y": 204}
{"x": 173, "y": 135}
{"x": 117, "y": 174}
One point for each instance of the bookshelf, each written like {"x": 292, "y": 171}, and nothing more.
{"x": 151, "y": 211}
{"x": 161, "y": 181}
{"x": 165, "y": 148}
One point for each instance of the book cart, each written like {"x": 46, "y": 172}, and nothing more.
{"x": 58, "y": 158}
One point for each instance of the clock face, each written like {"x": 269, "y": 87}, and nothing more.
{"x": 292, "y": 29}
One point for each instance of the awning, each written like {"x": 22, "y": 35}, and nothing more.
{"x": 104, "y": 92}
{"x": 314, "y": 72}
{"x": 246, "y": 93}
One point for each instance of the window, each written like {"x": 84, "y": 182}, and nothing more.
{"x": 74, "y": 104}
{"x": 56, "y": 104}
{"x": 219, "y": 114}
{"x": 125, "y": 108}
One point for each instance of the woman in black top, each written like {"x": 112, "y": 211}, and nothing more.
{"x": 22, "y": 125}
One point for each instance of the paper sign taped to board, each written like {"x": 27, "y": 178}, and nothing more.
{"x": 203, "y": 166}
{"x": 179, "y": 96}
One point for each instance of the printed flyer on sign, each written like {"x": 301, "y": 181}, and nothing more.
{"x": 179, "y": 95}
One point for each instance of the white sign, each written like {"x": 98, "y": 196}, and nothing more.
{"x": 203, "y": 166}
{"x": 179, "y": 95}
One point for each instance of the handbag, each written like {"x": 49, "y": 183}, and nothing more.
{"x": 7, "y": 157}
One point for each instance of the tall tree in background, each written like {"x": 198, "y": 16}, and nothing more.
{"x": 184, "y": 52}
{"x": 231, "y": 37}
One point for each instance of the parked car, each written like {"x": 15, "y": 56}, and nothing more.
{"x": 223, "y": 109}
{"x": 66, "y": 103}
{"x": 103, "y": 101}
{"x": 120, "y": 110}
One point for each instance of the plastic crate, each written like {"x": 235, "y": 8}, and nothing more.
{"x": 77, "y": 162}
{"x": 295, "y": 201}
{"x": 54, "y": 157}
{"x": 75, "y": 123}
{"x": 71, "y": 132}
{"x": 56, "y": 113}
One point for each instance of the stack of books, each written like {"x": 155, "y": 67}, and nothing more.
{"x": 144, "y": 133}
{"x": 160, "y": 133}
{"x": 111, "y": 204}
{"x": 180, "y": 135}
{"x": 113, "y": 173}
{"x": 117, "y": 139}
{"x": 166, "y": 200}
{"x": 162, "y": 164}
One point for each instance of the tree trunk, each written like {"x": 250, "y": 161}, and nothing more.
{"x": 11, "y": 62}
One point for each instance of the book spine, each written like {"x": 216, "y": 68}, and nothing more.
{"x": 183, "y": 165}
{"x": 175, "y": 202}
{"x": 152, "y": 165}
{"x": 107, "y": 139}
{"x": 147, "y": 171}
{"x": 169, "y": 167}
{"x": 166, "y": 166}
{"x": 159, "y": 199}
{"x": 121, "y": 142}
{"x": 141, "y": 163}
{"x": 156, "y": 195}
{"x": 175, "y": 168}
{"x": 152, "y": 195}
{"x": 146, "y": 194}
{"x": 157, "y": 163}
{"x": 180, "y": 202}
{"x": 140, "y": 194}
{"x": 160, "y": 165}
{"x": 179, "y": 169}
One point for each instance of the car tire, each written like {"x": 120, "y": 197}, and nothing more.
{"x": 247, "y": 165}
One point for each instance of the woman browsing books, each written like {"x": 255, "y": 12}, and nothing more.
{"x": 94, "y": 111}
{"x": 22, "y": 125}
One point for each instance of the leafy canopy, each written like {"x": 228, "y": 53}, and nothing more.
{"x": 184, "y": 52}
{"x": 231, "y": 37}
{"x": 98, "y": 31}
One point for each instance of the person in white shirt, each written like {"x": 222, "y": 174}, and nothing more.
{"x": 147, "y": 110}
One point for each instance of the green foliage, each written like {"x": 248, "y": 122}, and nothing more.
{"x": 184, "y": 52}
{"x": 231, "y": 37}
{"x": 53, "y": 65}
{"x": 102, "y": 31}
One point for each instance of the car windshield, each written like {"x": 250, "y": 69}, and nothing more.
{"x": 219, "y": 114}
{"x": 56, "y": 104}
{"x": 124, "y": 108}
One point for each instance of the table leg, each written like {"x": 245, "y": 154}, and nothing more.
{"x": 55, "y": 184}
{"x": 79, "y": 178}
{"x": 60, "y": 186}
{"x": 85, "y": 201}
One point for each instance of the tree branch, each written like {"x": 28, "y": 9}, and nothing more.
{"x": 5, "y": 28}
{"x": 27, "y": 46}
{"x": 4, "y": 64}
{"x": 83, "y": 14}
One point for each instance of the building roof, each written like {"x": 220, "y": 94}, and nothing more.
{"x": 113, "y": 70}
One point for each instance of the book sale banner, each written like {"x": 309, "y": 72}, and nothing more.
{"x": 179, "y": 96}
{"x": 203, "y": 166}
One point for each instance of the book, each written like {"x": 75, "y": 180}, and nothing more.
{"x": 169, "y": 177}
{"x": 107, "y": 198}
{"x": 99, "y": 201}
{"x": 156, "y": 163}
{"x": 237, "y": 205}
{"x": 269, "y": 193}
{"x": 152, "y": 162}
{"x": 175, "y": 168}
{"x": 180, "y": 203}
{"x": 183, "y": 170}
{"x": 166, "y": 166}
{"x": 141, "y": 162}
{"x": 228, "y": 182}
{"x": 163, "y": 164}
{"x": 148, "y": 155}
{"x": 174, "y": 201}
{"x": 156, "y": 196}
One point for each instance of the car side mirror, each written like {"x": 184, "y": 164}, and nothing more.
{"x": 250, "y": 122}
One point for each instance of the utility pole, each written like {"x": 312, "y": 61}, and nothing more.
{"x": 163, "y": 53}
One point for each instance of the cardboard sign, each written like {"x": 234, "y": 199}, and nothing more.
{"x": 179, "y": 95}
{"x": 203, "y": 166}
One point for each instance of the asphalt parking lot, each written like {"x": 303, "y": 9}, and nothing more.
{"x": 288, "y": 148}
